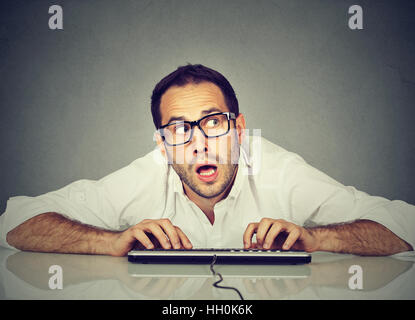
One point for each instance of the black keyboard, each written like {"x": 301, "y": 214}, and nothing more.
{"x": 218, "y": 256}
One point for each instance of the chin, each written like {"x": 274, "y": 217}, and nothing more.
{"x": 210, "y": 191}
{"x": 209, "y": 195}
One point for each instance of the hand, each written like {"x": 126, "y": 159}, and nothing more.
{"x": 151, "y": 234}
{"x": 279, "y": 234}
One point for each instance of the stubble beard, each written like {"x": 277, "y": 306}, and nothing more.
{"x": 206, "y": 190}
{"x": 212, "y": 189}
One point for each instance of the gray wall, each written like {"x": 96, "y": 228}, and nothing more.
{"x": 75, "y": 102}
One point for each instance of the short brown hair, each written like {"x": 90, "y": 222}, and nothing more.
{"x": 192, "y": 73}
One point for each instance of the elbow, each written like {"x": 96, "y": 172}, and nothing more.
{"x": 12, "y": 238}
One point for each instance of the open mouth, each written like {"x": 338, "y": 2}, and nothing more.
{"x": 207, "y": 172}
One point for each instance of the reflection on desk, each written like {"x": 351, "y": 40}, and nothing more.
{"x": 25, "y": 275}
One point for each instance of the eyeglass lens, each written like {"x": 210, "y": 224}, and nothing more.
{"x": 180, "y": 132}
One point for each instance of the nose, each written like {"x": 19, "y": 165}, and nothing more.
{"x": 199, "y": 142}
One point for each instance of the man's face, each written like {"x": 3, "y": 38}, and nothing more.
{"x": 205, "y": 165}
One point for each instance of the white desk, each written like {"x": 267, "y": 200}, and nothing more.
{"x": 25, "y": 275}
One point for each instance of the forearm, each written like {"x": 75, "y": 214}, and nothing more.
{"x": 362, "y": 237}
{"x": 51, "y": 232}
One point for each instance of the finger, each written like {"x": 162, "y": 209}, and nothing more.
{"x": 158, "y": 232}
{"x": 293, "y": 235}
{"x": 262, "y": 230}
{"x": 249, "y": 231}
{"x": 184, "y": 239}
{"x": 171, "y": 232}
{"x": 272, "y": 235}
{"x": 141, "y": 237}
{"x": 254, "y": 245}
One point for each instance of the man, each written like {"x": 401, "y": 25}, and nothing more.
{"x": 210, "y": 191}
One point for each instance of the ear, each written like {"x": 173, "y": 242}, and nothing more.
{"x": 240, "y": 127}
{"x": 160, "y": 143}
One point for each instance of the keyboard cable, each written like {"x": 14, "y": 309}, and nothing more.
{"x": 216, "y": 284}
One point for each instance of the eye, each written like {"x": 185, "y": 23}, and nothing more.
{"x": 212, "y": 123}
{"x": 181, "y": 129}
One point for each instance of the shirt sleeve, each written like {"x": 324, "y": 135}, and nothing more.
{"x": 314, "y": 198}
{"x": 101, "y": 203}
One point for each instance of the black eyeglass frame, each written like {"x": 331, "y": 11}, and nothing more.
{"x": 229, "y": 115}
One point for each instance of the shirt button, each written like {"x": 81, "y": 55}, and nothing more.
{"x": 80, "y": 196}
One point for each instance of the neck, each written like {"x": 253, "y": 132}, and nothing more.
{"x": 207, "y": 204}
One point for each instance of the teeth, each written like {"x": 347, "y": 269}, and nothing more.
{"x": 208, "y": 173}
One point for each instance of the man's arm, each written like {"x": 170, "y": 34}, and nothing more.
{"x": 51, "y": 232}
{"x": 361, "y": 237}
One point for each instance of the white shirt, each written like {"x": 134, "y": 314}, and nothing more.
{"x": 270, "y": 182}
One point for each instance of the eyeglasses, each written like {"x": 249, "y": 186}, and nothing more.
{"x": 181, "y": 132}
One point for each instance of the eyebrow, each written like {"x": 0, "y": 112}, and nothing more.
{"x": 204, "y": 112}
